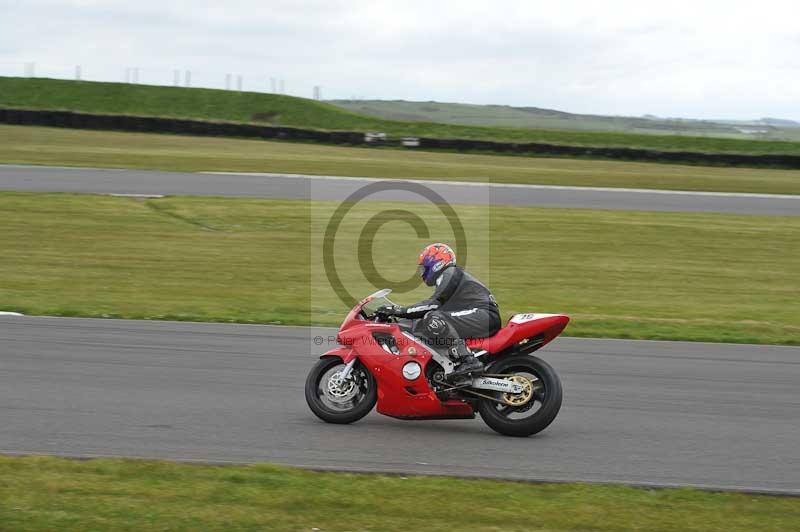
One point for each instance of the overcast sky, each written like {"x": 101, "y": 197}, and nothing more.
{"x": 701, "y": 58}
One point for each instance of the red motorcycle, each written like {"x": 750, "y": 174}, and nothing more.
{"x": 380, "y": 360}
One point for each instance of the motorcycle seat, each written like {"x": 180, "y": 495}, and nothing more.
{"x": 522, "y": 328}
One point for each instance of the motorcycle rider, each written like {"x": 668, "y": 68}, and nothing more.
{"x": 461, "y": 307}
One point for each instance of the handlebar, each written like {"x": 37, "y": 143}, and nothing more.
{"x": 378, "y": 318}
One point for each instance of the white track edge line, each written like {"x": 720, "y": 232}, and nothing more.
{"x": 132, "y": 195}
{"x": 512, "y": 185}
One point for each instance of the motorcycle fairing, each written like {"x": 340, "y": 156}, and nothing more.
{"x": 398, "y": 396}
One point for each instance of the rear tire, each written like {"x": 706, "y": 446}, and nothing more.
{"x": 548, "y": 393}
{"x": 348, "y": 408}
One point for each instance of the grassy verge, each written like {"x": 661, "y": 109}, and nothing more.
{"x": 39, "y": 493}
{"x": 678, "y": 276}
{"x": 286, "y": 110}
{"x": 34, "y": 145}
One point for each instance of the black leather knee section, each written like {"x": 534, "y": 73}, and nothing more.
{"x": 435, "y": 324}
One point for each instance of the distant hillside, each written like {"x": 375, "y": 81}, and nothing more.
{"x": 538, "y": 118}
{"x": 780, "y": 122}
{"x": 261, "y": 108}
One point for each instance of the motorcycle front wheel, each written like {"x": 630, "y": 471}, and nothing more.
{"x": 529, "y": 412}
{"x": 336, "y": 400}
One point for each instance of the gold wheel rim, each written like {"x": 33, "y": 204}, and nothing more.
{"x": 522, "y": 398}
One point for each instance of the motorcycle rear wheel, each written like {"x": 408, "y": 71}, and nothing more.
{"x": 340, "y": 404}
{"x": 547, "y": 392}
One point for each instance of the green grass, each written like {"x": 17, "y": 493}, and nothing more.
{"x": 44, "y": 494}
{"x": 118, "y": 98}
{"x": 54, "y": 146}
{"x": 677, "y": 276}
{"x": 532, "y": 117}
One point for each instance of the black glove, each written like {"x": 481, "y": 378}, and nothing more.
{"x": 384, "y": 311}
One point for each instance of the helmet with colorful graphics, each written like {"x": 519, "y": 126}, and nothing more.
{"x": 433, "y": 259}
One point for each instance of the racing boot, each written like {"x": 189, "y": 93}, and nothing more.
{"x": 466, "y": 362}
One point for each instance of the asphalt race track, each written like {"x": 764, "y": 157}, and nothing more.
{"x": 651, "y": 413}
{"x": 288, "y": 186}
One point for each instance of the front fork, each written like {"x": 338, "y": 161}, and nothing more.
{"x": 347, "y": 369}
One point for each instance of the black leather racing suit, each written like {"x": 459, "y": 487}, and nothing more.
{"x": 461, "y": 307}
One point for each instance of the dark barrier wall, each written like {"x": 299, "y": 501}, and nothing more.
{"x": 70, "y": 119}
{"x": 630, "y": 154}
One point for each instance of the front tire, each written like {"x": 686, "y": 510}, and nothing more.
{"x": 344, "y": 402}
{"x": 524, "y": 419}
